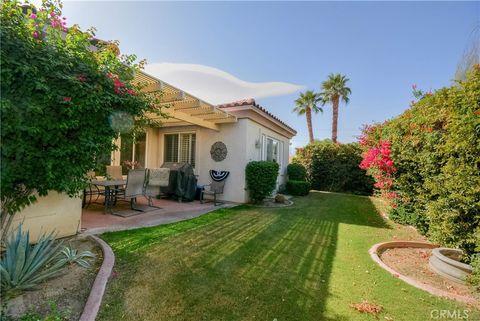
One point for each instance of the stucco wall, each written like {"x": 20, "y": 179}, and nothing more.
{"x": 54, "y": 212}
{"x": 244, "y": 143}
{"x": 234, "y": 136}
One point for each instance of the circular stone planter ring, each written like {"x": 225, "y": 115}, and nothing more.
{"x": 446, "y": 262}
{"x": 376, "y": 250}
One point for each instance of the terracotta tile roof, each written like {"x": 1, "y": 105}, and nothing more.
{"x": 251, "y": 102}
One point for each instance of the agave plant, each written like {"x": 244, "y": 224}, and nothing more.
{"x": 72, "y": 255}
{"x": 23, "y": 266}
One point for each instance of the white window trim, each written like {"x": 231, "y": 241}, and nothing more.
{"x": 179, "y": 149}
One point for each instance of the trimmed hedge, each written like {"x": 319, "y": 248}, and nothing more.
{"x": 296, "y": 172}
{"x": 334, "y": 167}
{"x": 297, "y": 188}
{"x": 435, "y": 148}
{"x": 261, "y": 179}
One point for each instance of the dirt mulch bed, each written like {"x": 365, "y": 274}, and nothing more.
{"x": 413, "y": 262}
{"x": 68, "y": 292}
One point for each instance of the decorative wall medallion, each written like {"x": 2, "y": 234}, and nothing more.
{"x": 218, "y": 151}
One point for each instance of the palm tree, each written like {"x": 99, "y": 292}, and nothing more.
{"x": 307, "y": 102}
{"x": 334, "y": 89}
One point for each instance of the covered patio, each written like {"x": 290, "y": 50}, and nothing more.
{"x": 96, "y": 221}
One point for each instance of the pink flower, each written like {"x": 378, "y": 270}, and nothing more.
{"x": 118, "y": 85}
{"x": 67, "y": 99}
{"x": 82, "y": 78}
{"x": 109, "y": 75}
{"x": 131, "y": 92}
{"x": 54, "y": 23}
{"x": 414, "y": 87}
{"x": 33, "y": 16}
{"x": 52, "y": 13}
{"x": 35, "y": 34}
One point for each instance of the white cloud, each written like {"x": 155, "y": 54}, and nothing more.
{"x": 214, "y": 85}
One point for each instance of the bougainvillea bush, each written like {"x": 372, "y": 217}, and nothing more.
{"x": 334, "y": 167}
{"x": 64, "y": 97}
{"x": 427, "y": 162}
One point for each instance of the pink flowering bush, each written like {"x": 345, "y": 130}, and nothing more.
{"x": 378, "y": 163}
{"x": 65, "y": 98}
{"x": 426, "y": 162}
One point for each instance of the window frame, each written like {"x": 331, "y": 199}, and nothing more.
{"x": 191, "y": 149}
{"x": 279, "y": 152}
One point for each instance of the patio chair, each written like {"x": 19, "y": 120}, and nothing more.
{"x": 91, "y": 191}
{"x": 114, "y": 172}
{"x": 156, "y": 179}
{"x": 215, "y": 187}
{"x": 134, "y": 188}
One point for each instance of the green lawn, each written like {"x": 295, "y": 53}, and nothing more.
{"x": 305, "y": 262}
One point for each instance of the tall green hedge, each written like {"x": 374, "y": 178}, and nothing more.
{"x": 435, "y": 147}
{"x": 261, "y": 179}
{"x": 334, "y": 167}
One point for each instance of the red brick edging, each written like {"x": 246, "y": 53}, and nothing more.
{"x": 380, "y": 247}
{"x": 96, "y": 294}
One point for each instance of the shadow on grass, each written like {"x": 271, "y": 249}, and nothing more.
{"x": 256, "y": 264}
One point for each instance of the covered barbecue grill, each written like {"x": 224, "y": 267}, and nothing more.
{"x": 182, "y": 182}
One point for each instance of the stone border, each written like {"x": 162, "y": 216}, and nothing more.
{"x": 280, "y": 205}
{"x": 92, "y": 306}
{"x": 380, "y": 247}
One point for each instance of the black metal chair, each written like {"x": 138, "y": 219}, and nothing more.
{"x": 215, "y": 187}
{"x": 91, "y": 191}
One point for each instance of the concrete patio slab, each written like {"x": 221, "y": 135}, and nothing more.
{"x": 95, "y": 221}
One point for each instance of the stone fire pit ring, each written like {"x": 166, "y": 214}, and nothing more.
{"x": 376, "y": 251}
{"x": 446, "y": 262}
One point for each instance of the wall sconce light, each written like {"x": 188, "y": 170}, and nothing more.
{"x": 257, "y": 143}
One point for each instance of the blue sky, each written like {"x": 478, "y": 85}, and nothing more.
{"x": 383, "y": 47}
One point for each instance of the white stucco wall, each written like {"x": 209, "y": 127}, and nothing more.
{"x": 55, "y": 212}
{"x": 241, "y": 141}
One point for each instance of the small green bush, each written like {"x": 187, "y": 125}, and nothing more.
{"x": 261, "y": 179}
{"x": 296, "y": 172}
{"x": 298, "y": 188}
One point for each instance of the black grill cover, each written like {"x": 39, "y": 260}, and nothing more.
{"x": 182, "y": 181}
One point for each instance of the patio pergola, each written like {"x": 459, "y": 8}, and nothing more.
{"x": 181, "y": 107}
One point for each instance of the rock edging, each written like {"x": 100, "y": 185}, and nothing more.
{"x": 92, "y": 306}
{"x": 380, "y": 247}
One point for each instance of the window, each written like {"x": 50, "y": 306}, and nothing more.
{"x": 272, "y": 150}
{"x": 180, "y": 148}
{"x": 132, "y": 150}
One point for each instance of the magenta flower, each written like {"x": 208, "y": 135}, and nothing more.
{"x": 33, "y": 16}
{"x": 67, "y": 99}
{"x": 82, "y": 77}
{"x": 35, "y": 34}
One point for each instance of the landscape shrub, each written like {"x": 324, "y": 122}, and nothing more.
{"x": 296, "y": 172}
{"x": 62, "y": 103}
{"x": 297, "y": 188}
{"x": 261, "y": 179}
{"x": 435, "y": 153}
{"x": 334, "y": 167}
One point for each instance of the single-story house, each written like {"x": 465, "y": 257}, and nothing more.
{"x": 224, "y": 137}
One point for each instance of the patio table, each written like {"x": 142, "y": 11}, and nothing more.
{"x": 110, "y": 194}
